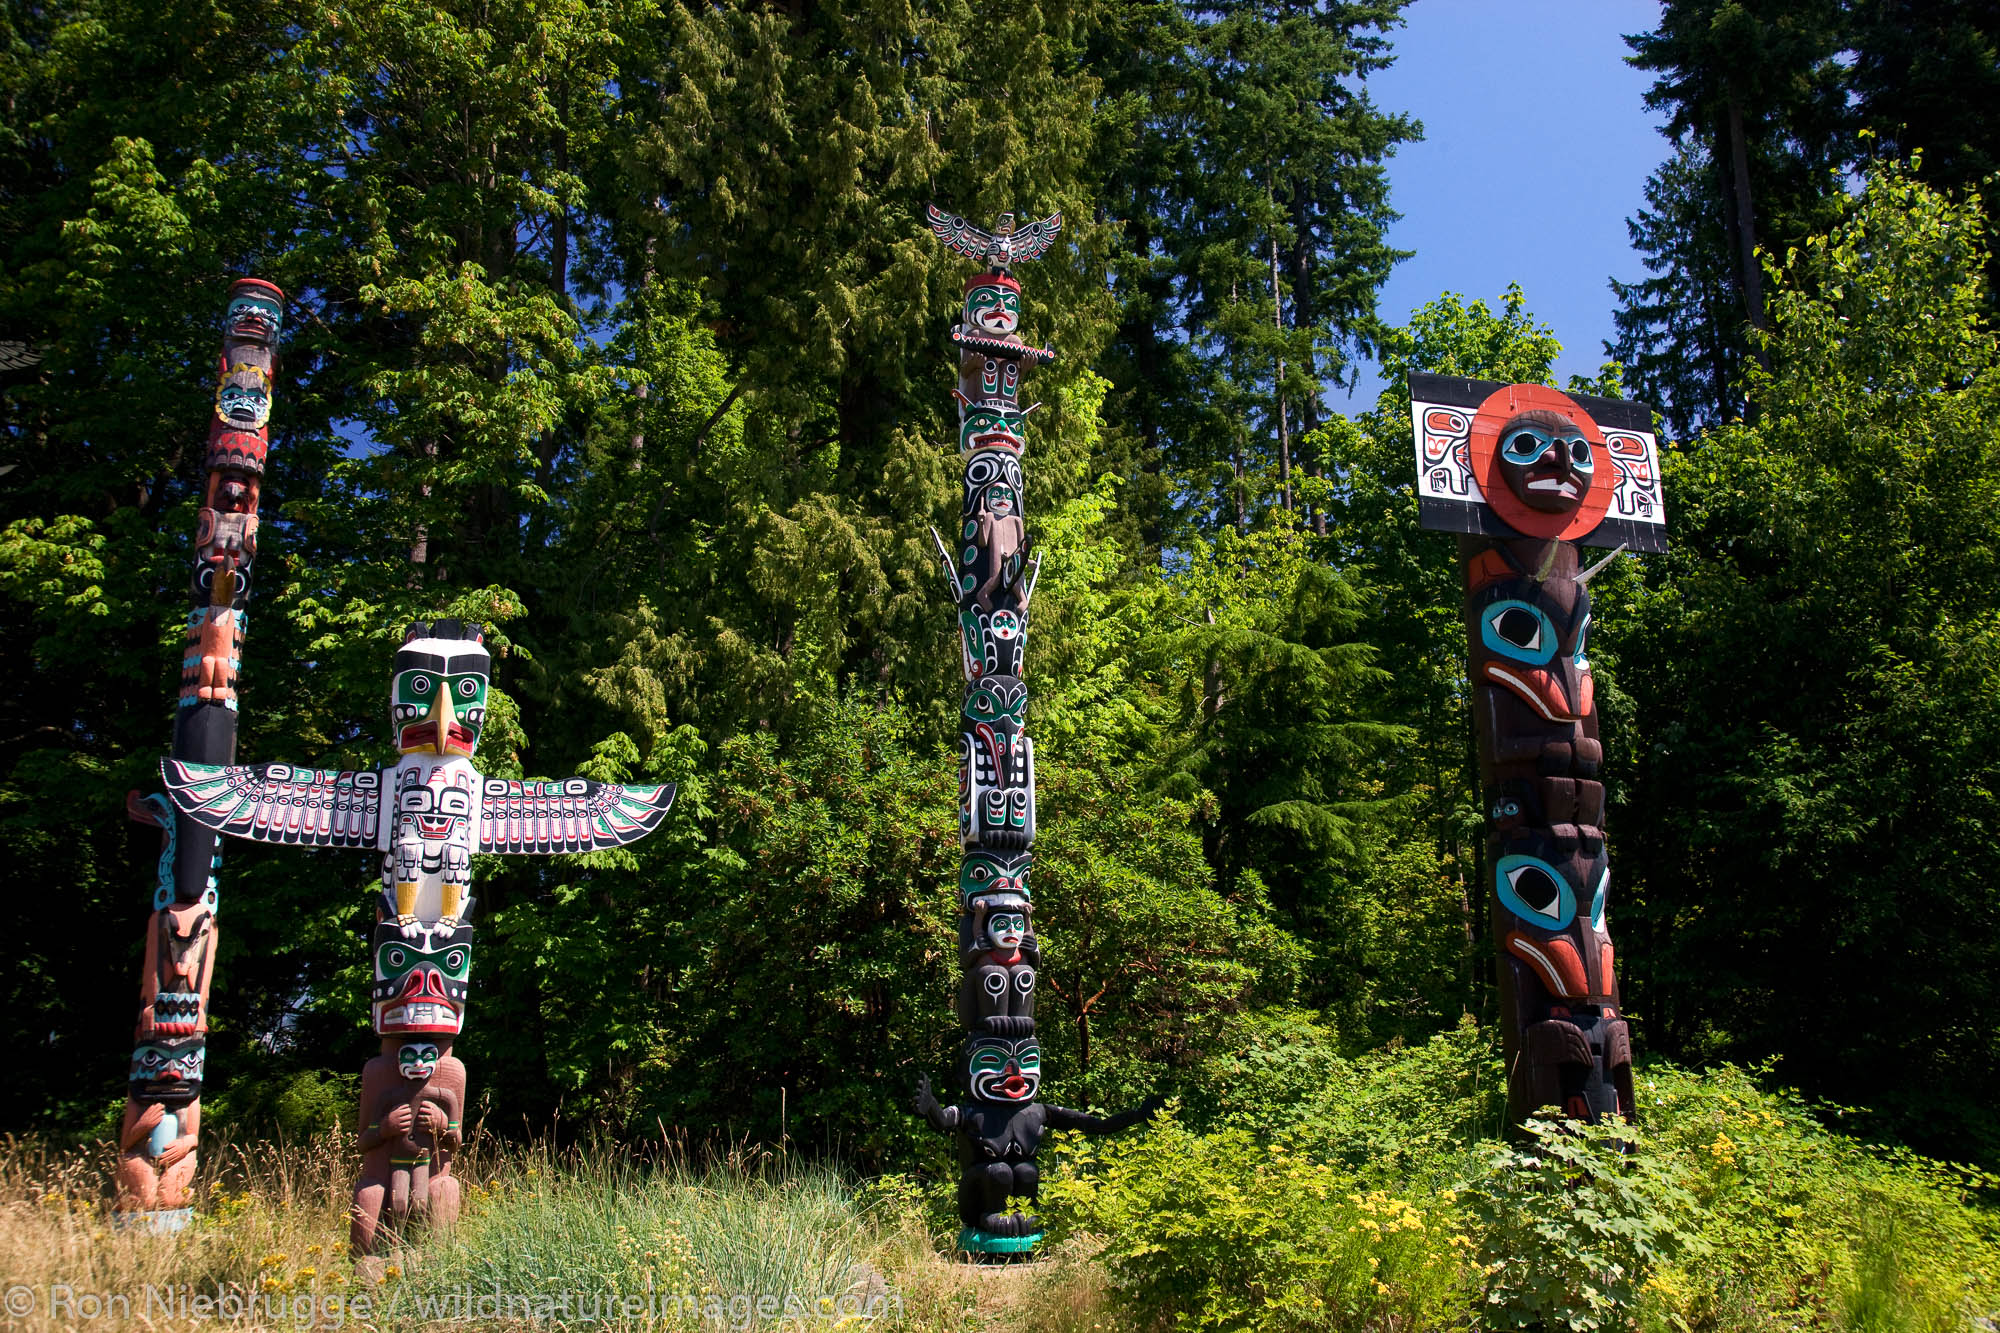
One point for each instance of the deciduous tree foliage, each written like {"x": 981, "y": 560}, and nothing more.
{"x": 1815, "y": 671}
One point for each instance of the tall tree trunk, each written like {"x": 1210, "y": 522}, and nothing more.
{"x": 1751, "y": 275}
{"x": 1284, "y": 423}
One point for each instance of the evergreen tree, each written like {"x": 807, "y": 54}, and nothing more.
{"x": 1253, "y": 194}
{"x": 1803, "y": 842}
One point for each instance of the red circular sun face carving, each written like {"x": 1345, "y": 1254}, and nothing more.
{"x": 1531, "y": 468}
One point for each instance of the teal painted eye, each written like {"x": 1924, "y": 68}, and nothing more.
{"x": 1535, "y": 891}
{"x": 455, "y": 963}
{"x": 1520, "y": 631}
{"x": 1579, "y": 453}
{"x": 1526, "y": 446}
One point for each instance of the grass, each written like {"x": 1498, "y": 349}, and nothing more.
{"x": 1358, "y": 1209}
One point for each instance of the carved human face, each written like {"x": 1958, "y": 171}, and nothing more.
{"x": 421, "y": 983}
{"x": 1546, "y": 461}
{"x": 985, "y": 426}
{"x": 168, "y": 1070}
{"x": 418, "y": 1059}
{"x": 437, "y": 701}
{"x": 993, "y": 308}
{"x": 254, "y": 313}
{"x": 1007, "y": 929}
{"x": 1000, "y": 1070}
{"x": 1000, "y": 500}
{"x": 434, "y": 805}
{"x": 243, "y": 398}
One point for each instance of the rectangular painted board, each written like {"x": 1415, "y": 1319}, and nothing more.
{"x": 1448, "y": 495}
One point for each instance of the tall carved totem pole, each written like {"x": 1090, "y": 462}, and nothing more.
{"x": 157, "y": 1137}
{"x": 427, "y": 814}
{"x": 1526, "y": 475}
{"x": 1000, "y": 1126}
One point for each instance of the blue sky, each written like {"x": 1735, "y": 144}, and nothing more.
{"x": 1533, "y": 94}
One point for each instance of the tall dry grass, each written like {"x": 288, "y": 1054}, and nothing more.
{"x": 736, "y": 1240}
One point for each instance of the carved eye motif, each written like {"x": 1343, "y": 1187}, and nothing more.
{"x": 1024, "y": 981}
{"x": 995, "y": 983}
{"x": 1535, "y": 891}
{"x": 1519, "y": 631}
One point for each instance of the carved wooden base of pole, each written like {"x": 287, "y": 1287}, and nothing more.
{"x": 412, "y": 1096}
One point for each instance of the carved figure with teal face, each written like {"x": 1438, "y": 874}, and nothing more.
{"x": 421, "y": 982}
{"x": 256, "y": 311}
{"x": 998, "y": 1069}
{"x": 992, "y": 427}
{"x": 167, "y": 1071}
{"x": 996, "y": 766}
{"x": 993, "y": 305}
{"x": 243, "y": 397}
{"x": 417, "y": 1059}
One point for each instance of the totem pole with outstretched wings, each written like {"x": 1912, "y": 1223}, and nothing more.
{"x": 427, "y": 814}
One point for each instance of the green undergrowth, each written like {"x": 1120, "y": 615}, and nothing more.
{"x": 1381, "y": 1200}
{"x": 1375, "y": 1195}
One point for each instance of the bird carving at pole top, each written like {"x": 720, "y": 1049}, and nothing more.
{"x": 1005, "y": 244}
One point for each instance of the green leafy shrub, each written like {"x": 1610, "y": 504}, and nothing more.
{"x": 1809, "y": 1227}
{"x": 1573, "y": 1222}
{"x": 1224, "y": 1231}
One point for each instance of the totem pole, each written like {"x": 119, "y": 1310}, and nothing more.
{"x": 1000, "y": 1126}
{"x": 156, "y": 1138}
{"x": 1525, "y": 474}
{"x": 427, "y": 814}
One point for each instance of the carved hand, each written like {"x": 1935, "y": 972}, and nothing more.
{"x": 398, "y": 1119}
{"x": 176, "y": 1150}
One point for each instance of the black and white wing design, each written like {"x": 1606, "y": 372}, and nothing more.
{"x": 960, "y": 236}
{"x": 319, "y": 807}
{"x": 575, "y": 815}
{"x": 1030, "y": 242}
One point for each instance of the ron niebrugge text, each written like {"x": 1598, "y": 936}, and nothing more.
{"x": 185, "y": 1303}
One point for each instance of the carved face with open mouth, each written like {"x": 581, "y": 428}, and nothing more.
{"x": 421, "y": 983}
{"x": 991, "y": 427}
{"x": 1546, "y": 461}
{"x": 999, "y": 1070}
{"x": 256, "y": 310}
{"x": 243, "y": 397}
{"x": 418, "y": 1060}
